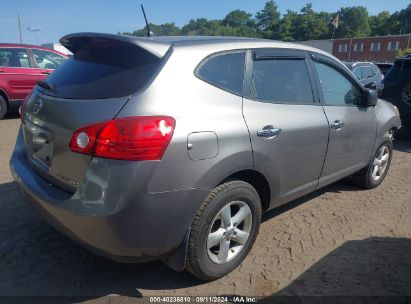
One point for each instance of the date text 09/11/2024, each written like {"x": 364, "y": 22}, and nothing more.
{"x": 204, "y": 299}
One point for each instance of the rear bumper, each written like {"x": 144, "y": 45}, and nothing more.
{"x": 132, "y": 226}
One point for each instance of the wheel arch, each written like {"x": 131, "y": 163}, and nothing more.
{"x": 255, "y": 179}
{"x": 5, "y": 96}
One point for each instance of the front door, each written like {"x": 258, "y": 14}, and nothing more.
{"x": 287, "y": 125}
{"x": 353, "y": 127}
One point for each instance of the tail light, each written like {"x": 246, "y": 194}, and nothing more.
{"x": 132, "y": 138}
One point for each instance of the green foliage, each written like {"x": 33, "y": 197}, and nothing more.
{"x": 292, "y": 26}
{"x": 402, "y": 53}
{"x": 268, "y": 21}
{"x": 354, "y": 22}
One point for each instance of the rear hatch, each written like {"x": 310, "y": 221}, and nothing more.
{"x": 92, "y": 86}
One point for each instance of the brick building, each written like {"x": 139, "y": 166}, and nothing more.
{"x": 376, "y": 49}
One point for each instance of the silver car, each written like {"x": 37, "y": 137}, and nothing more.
{"x": 172, "y": 148}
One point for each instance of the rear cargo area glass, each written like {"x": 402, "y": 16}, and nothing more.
{"x": 103, "y": 68}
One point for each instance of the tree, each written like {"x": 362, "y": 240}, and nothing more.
{"x": 268, "y": 21}
{"x": 304, "y": 25}
{"x": 402, "y": 53}
{"x": 380, "y": 24}
{"x": 239, "y": 18}
{"x": 166, "y": 29}
{"x": 401, "y": 21}
{"x": 354, "y": 22}
{"x": 288, "y": 26}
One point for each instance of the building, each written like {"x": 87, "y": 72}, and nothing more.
{"x": 375, "y": 49}
{"x": 325, "y": 45}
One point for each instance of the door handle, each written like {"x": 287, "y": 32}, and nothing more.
{"x": 47, "y": 73}
{"x": 337, "y": 125}
{"x": 268, "y": 132}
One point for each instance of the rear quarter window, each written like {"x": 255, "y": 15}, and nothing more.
{"x": 225, "y": 71}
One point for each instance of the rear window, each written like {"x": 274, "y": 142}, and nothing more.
{"x": 225, "y": 71}
{"x": 103, "y": 69}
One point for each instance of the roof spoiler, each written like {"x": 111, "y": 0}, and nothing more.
{"x": 74, "y": 42}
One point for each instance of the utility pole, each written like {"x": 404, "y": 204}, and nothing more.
{"x": 21, "y": 37}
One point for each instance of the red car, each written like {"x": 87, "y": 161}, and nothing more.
{"x": 21, "y": 66}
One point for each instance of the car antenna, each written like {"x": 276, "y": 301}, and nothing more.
{"x": 149, "y": 33}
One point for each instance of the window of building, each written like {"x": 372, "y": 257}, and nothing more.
{"x": 375, "y": 46}
{"x": 342, "y": 48}
{"x": 393, "y": 46}
{"x": 358, "y": 47}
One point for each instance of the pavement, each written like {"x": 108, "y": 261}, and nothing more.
{"x": 337, "y": 241}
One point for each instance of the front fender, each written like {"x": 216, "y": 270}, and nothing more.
{"x": 387, "y": 120}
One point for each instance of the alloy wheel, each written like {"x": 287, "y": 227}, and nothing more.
{"x": 380, "y": 163}
{"x": 229, "y": 232}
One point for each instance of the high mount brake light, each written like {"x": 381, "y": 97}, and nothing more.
{"x": 131, "y": 138}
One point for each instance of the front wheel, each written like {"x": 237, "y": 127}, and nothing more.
{"x": 224, "y": 230}
{"x": 373, "y": 175}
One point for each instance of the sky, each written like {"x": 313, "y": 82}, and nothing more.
{"x": 57, "y": 18}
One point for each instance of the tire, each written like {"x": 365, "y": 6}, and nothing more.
{"x": 365, "y": 177}
{"x": 211, "y": 263}
{"x": 3, "y": 107}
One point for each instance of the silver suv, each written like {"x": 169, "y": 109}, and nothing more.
{"x": 171, "y": 148}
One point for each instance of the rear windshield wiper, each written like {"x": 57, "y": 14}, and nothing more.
{"x": 45, "y": 85}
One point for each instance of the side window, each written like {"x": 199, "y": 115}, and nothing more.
{"x": 336, "y": 88}
{"x": 225, "y": 71}
{"x": 14, "y": 58}
{"x": 282, "y": 81}
{"x": 368, "y": 72}
{"x": 47, "y": 60}
{"x": 357, "y": 73}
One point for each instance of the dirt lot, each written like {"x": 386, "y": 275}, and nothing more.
{"x": 338, "y": 241}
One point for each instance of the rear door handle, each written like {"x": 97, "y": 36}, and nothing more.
{"x": 47, "y": 73}
{"x": 268, "y": 132}
{"x": 337, "y": 125}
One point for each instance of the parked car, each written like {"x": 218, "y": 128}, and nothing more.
{"x": 384, "y": 67}
{"x": 171, "y": 148}
{"x": 21, "y": 66}
{"x": 367, "y": 73}
{"x": 397, "y": 88}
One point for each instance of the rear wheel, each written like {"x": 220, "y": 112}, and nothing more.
{"x": 373, "y": 175}
{"x": 224, "y": 230}
{"x": 3, "y": 107}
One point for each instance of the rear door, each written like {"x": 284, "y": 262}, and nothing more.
{"x": 352, "y": 126}
{"x": 17, "y": 75}
{"x": 90, "y": 87}
{"x": 287, "y": 125}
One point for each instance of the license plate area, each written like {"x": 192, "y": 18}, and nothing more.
{"x": 40, "y": 145}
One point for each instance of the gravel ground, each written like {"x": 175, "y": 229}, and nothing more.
{"x": 340, "y": 240}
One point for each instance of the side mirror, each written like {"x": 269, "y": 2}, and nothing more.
{"x": 370, "y": 97}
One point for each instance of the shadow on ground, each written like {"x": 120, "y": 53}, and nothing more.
{"x": 402, "y": 140}
{"x": 373, "y": 267}
{"x": 37, "y": 260}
